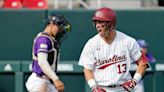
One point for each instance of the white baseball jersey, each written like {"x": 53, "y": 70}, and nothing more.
{"x": 110, "y": 63}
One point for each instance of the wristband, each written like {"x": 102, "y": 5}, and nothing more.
{"x": 137, "y": 77}
{"x": 91, "y": 83}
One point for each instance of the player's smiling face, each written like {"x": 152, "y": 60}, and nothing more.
{"x": 102, "y": 28}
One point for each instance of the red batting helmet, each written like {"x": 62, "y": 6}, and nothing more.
{"x": 105, "y": 14}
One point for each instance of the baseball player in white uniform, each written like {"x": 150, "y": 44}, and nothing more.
{"x": 107, "y": 56}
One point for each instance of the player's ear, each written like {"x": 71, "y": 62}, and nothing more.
{"x": 110, "y": 26}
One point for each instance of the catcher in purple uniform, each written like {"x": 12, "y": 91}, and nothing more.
{"x": 46, "y": 47}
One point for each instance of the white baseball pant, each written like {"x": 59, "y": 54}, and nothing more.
{"x": 35, "y": 84}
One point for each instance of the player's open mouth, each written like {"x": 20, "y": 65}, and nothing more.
{"x": 101, "y": 34}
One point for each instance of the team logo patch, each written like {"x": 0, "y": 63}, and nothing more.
{"x": 115, "y": 59}
{"x": 43, "y": 46}
{"x": 99, "y": 14}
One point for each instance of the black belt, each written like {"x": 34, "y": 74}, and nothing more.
{"x": 113, "y": 86}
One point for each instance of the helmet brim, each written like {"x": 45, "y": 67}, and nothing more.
{"x": 100, "y": 19}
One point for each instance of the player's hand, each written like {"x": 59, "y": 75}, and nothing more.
{"x": 129, "y": 85}
{"x": 97, "y": 89}
{"x": 59, "y": 85}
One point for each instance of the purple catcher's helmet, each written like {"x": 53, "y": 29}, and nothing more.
{"x": 142, "y": 43}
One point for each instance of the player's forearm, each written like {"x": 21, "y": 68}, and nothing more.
{"x": 142, "y": 64}
{"x": 89, "y": 78}
{"x": 43, "y": 63}
{"x": 140, "y": 71}
{"x": 141, "y": 68}
{"x": 88, "y": 74}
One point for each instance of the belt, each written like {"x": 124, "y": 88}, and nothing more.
{"x": 113, "y": 86}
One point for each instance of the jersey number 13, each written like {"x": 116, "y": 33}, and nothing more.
{"x": 121, "y": 68}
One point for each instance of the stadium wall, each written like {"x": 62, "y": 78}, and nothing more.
{"x": 19, "y": 27}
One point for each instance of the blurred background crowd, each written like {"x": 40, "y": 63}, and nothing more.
{"x": 86, "y": 4}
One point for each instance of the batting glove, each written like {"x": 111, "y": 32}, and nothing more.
{"x": 129, "y": 85}
{"x": 97, "y": 89}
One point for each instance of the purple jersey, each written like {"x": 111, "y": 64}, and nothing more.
{"x": 44, "y": 43}
{"x": 150, "y": 58}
